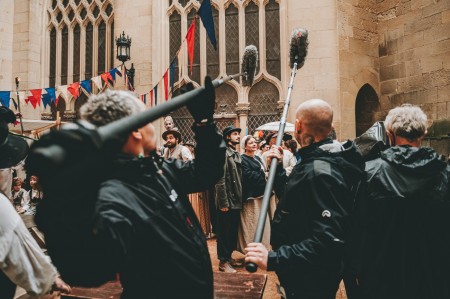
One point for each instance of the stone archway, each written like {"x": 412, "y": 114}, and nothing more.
{"x": 367, "y": 105}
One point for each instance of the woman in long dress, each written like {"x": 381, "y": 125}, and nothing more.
{"x": 253, "y": 185}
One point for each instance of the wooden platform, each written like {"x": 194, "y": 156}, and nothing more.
{"x": 225, "y": 286}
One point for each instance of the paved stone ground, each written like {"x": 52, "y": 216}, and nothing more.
{"x": 270, "y": 291}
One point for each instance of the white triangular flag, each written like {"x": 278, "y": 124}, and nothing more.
{"x": 63, "y": 91}
{"x": 98, "y": 82}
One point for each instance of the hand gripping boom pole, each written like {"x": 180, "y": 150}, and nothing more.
{"x": 298, "y": 51}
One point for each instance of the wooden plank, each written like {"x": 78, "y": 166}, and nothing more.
{"x": 226, "y": 285}
{"x": 110, "y": 290}
{"x": 245, "y": 285}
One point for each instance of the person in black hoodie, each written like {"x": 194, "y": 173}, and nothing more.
{"x": 308, "y": 230}
{"x": 400, "y": 245}
{"x": 142, "y": 214}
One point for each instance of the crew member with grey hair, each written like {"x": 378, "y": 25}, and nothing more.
{"x": 401, "y": 241}
{"x": 142, "y": 212}
{"x": 308, "y": 231}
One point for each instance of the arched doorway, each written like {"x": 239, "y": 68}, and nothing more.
{"x": 367, "y": 105}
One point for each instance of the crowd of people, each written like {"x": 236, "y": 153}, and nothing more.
{"x": 381, "y": 225}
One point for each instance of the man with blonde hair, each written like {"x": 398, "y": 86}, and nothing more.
{"x": 402, "y": 242}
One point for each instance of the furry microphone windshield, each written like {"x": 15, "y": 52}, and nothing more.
{"x": 298, "y": 47}
{"x": 249, "y": 65}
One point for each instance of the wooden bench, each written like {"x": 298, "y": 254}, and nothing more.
{"x": 226, "y": 285}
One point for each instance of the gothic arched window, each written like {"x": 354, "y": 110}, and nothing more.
{"x": 252, "y": 20}
{"x": 263, "y": 100}
{"x": 79, "y": 21}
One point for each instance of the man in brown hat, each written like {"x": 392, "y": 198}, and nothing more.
{"x": 229, "y": 202}
{"x": 174, "y": 148}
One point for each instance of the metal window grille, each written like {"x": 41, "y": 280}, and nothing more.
{"x": 226, "y": 99}
{"x": 52, "y": 75}
{"x": 263, "y": 100}
{"x": 195, "y": 76}
{"x": 232, "y": 39}
{"x": 89, "y": 49}
{"x": 175, "y": 38}
{"x": 64, "y": 55}
{"x": 101, "y": 48}
{"x": 273, "y": 39}
{"x": 76, "y": 53}
{"x": 252, "y": 26}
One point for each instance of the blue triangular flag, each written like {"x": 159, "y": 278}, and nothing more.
{"x": 118, "y": 72}
{"x": 4, "y": 98}
{"x": 173, "y": 65}
{"x": 205, "y": 13}
{"x": 86, "y": 85}
{"x": 113, "y": 73}
{"x": 51, "y": 92}
{"x": 46, "y": 99}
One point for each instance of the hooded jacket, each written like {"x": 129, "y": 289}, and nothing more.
{"x": 146, "y": 228}
{"x": 403, "y": 218}
{"x": 309, "y": 224}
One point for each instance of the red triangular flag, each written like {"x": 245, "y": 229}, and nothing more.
{"x": 166, "y": 85}
{"x": 37, "y": 96}
{"x": 74, "y": 89}
{"x": 107, "y": 77}
{"x": 57, "y": 101}
{"x": 33, "y": 101}
{"x": 190, "y": 38}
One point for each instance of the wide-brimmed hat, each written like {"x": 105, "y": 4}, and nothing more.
{"x": 13, "y": 149}
{"x": 228, "y": 130}
{"x": 175, "y": 134}
{"x": 189, "y": 143}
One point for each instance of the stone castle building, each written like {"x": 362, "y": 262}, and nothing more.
{"x": 365, "y": 56}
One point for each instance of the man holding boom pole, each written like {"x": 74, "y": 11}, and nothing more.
{"x": 142, "y": 226}
{"x": 308, "y": 227}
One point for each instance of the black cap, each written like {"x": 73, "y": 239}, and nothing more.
{"x": 230, "y": 129}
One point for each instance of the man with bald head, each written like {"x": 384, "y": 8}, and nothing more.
{"x": 308, "y": 227}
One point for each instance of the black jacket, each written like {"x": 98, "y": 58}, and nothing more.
{"x": 308, "y": 227}
{"x": 152, "y": 233}
{"x": 253, "y": 177}
{"x": 402, "y": 246}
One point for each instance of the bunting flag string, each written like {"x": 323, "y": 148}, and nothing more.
{"x": 109, "y": 77}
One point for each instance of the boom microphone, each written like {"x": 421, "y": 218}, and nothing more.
{"x": 248, "y": 66}
{"x": 298, "y": 47}
{"x": 298, "y": 50}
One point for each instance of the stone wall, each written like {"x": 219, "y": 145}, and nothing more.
{"x": 358, "y": 56}
{"x": 6, "y": 43}
{"x": 414, "y": 49}
{"x": 319, "y": 76}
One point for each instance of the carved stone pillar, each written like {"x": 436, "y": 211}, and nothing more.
{"x": 242, "y": 110}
